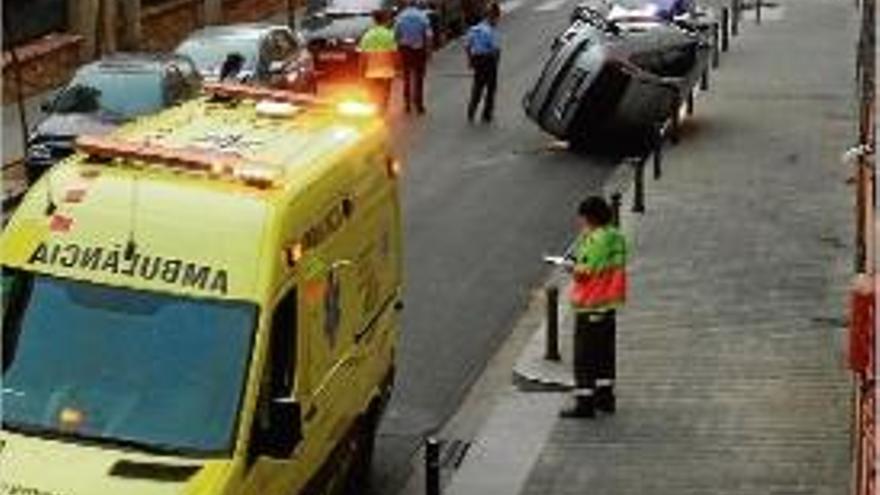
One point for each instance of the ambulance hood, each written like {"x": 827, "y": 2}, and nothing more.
{"x": 37, "y": 466}
{"x": 150, "y": 233}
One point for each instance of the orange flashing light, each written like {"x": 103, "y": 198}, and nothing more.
{"x": 244, "y": 91}
{"x": 354, "y": 108}
{"x": 393, "y": 167}
{"x": 70, "y": 418}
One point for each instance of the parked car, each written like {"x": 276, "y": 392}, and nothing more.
{"x": 272, "y": 54}
{"x": 333, "y": 28}
{"x": 104, "y": 94}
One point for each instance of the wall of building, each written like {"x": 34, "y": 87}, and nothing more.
{"x": 103, "y": 26}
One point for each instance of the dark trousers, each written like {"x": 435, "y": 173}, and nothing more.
{"x": 485, "y": 82}
{"x": 414, "y": 62}
{"x": 595, "y": 336}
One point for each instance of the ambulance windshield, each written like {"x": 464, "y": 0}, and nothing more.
{"x": 112, "y": 365}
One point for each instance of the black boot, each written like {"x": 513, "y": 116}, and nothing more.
{"x": 605, "y": 400}
{"x": 583, "y": 408}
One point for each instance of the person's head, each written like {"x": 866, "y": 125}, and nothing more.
{"x": 594, "y": 212}
{"x": 231, "y": 65}
{"x": 493, "y": 13}
{"x": 381, "y": 17}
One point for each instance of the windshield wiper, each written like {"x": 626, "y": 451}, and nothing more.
{"x": 150, "y": 448}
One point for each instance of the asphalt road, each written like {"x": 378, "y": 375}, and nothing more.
{"x": 482, "y": 204}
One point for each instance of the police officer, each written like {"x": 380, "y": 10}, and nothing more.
{"x": 598, "y": 289}
{"x": 414, "y": 39}
{"x": 378, "y": 50}
{"x": 484, "y": 51}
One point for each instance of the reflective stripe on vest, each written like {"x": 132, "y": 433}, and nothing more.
{"x": 600, "y": 281}
{"x": 380, "y": 65}
{"x": 379, "y": 48}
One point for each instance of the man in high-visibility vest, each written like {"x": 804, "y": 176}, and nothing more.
{"x": 378, "y": 59}
{"x": 598, "y": 290}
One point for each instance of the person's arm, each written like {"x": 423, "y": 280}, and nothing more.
{"x": 428, "y": 32}
{"x": 468, "y": 40}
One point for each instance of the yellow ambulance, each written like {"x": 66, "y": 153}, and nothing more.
{"x": 205, "y": 302}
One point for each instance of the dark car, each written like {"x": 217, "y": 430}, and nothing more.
{"x": 333, "y": 29}
{"x": 271, "y": 55}
{"x": 104, "y": 94}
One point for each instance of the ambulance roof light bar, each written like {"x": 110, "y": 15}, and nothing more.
{"x": 244, "y": 91}
{"x": 349, "y": 107}
{"x": 222, "y": 164}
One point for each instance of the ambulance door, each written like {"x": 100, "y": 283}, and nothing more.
{"x": 329, "y": 410}
{"x": 277, "y": 430}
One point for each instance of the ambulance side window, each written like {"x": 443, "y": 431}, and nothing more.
{"x": 283, "y": 346}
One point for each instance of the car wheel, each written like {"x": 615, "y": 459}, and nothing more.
{"x": 360, "y": 470}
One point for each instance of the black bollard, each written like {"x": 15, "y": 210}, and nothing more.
{"x": 551, "y": 350}
{"x": 704, "y": 81}
{"x": 758, "y": 11}
{"x": 639, "y": 189}
{"x": 658, "y": 157}
{"x": 716, "y": 48}
{"x": 616, "y": 199}
{"x": 725, "y": 29}
{"x": 675, "y": 124}
{"x": 432, "y": 466}
{"x": 734, "y": 21}
{"x": 689, "y": 103}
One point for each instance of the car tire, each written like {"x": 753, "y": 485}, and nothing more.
{"x": 361, "y": 467}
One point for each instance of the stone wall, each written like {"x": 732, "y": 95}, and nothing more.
{"x": 164, "y": 26}
{"x": 251, "y": 10}
{"x": 44, "y": 63}
{"x": 50, "y": 61}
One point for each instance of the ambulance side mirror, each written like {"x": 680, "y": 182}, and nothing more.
{"x": 285, "y": 429}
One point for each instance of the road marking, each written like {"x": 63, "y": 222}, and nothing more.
{"x": 550, "y": 5}
{"x": 511, "y": 5}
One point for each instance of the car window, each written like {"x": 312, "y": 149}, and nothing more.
{"x": 124, "y": 93}
{"x": 278, "y": 46}
{"x": 119, "y": 365}
{"x": 209, "y": 52}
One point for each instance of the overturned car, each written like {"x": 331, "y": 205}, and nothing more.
{"x": 612, "y": 82}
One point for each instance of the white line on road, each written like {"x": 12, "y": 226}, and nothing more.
{"x": 550, "y": 5}
{"x": 511, "y": 5}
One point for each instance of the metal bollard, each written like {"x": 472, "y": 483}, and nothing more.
{"x": 658, "y": 157}
{"x": 716, "y": 49}
{"x": 639, "y": 192}
{"x": 689, "y": 102}
{"x": 734, "y": 21}
{"x": 675, "y": 124}
{"x": 704, "y": 80}
{"x": 725, "y": 29}
{"x": 551, "y": 350}
{"x": 758, "y": 11}
{"x": 616, "y": 199}
{"x": 432, "y": 466}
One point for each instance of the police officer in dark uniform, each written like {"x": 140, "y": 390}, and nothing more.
{"x": 483, "y": 47}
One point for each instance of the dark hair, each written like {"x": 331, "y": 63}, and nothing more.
{"x": 232, "y": 65}
{"x": 492, "y": 11}
{"x": 596, "y": 211}
{"x": 381, "y": 16}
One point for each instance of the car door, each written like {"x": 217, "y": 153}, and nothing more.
{"x": 268, "y": 472}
